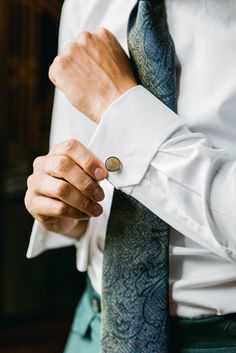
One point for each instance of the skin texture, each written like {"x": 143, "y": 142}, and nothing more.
{"x": 63, "y": 190}
{"x": 93, "y": 72}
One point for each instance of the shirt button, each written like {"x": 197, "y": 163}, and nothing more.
{"x": 96, "y": 305}
{"x": 112, "y": 164}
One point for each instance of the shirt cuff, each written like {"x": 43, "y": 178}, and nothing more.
{"x": 132, "y": 129}
{"x": 42, "y": 240}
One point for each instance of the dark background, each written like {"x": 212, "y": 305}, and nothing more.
{"x": 38, "y": 296}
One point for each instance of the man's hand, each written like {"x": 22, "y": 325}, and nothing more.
{"x": 63, "y": 192}
{"x": 93, "y": 72}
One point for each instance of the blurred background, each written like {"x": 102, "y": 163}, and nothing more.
{"x": 37, "y": 297}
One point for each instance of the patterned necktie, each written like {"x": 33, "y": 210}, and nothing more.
{"x": 135, "y": 268}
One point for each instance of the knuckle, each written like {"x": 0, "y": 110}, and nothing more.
{"x": 89, "y": 164}
{"x": 28, "y": 203}
{"x": 60, "y": 209}
{"x": 60, "y": 62}
{"x": 86, "y": 204}
{"x": 29, "y": 181}
{"x": 87, "y": 185}
{"x": 102, "y": 32}
{"x": 37, "y": 162}
{"x": 72, "y": 48}
{"x": 51, "y": 72}
{"x": 62, "y": 163}
{"x": 84, "y": 37}
{"x": 61, "y": 189}
{"x": 26, "y": 200}
{"x": 70, "y": 145}
{"x": 57, "y": 60}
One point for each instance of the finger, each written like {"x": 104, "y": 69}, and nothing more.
{"x": 38, "y": 163}
{"x": 42, "y": 207}
{"x": 82, "y": 156}
{"x": 107, "y": 38}
{"x": 102, "y": 33}
{"x": 57, "y": 68}
{"x": 63, "y": 191}
{"x": 65, "y": 168}
{"x": 70, "y": 227}
{"x": 84, "y": 38}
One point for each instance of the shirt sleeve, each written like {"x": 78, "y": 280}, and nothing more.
{"x": 64, "y": 118}
{"x": 173, "y": 171}
{"x": 42, "y": 240}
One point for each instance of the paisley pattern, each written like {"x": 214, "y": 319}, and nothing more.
{"x": 135, "y": 278}
{"x": 152, "y": 50}
{"x": 135, "y": 268}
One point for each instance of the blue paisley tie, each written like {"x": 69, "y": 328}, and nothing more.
{"x": 135, "y": 268}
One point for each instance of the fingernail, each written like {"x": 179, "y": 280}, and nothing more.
{"x": 99, "y": 173}
{"x": 98, "y": 210}
{"x": 98, "y": 194}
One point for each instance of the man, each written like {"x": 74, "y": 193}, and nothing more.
{"x": 180, "y": 166}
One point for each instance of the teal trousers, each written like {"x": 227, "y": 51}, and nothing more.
{"x": 215, "y": 334}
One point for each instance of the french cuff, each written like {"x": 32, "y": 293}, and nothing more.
{"x": 132, "y": 130}
{"x": 42, "y": 240}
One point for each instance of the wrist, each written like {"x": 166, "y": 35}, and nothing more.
{"x": 78, "y": 229}
{"x": 108, "y": 99}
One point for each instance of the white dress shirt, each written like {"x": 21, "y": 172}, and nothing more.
{"x": 181, "y": 166}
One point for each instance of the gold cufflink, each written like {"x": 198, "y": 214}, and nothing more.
{"x": 112, "y": 164}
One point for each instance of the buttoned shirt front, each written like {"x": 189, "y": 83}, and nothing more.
{"x": 181, "y": 166}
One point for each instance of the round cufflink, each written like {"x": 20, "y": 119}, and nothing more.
{"x": 112, "y": 164}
